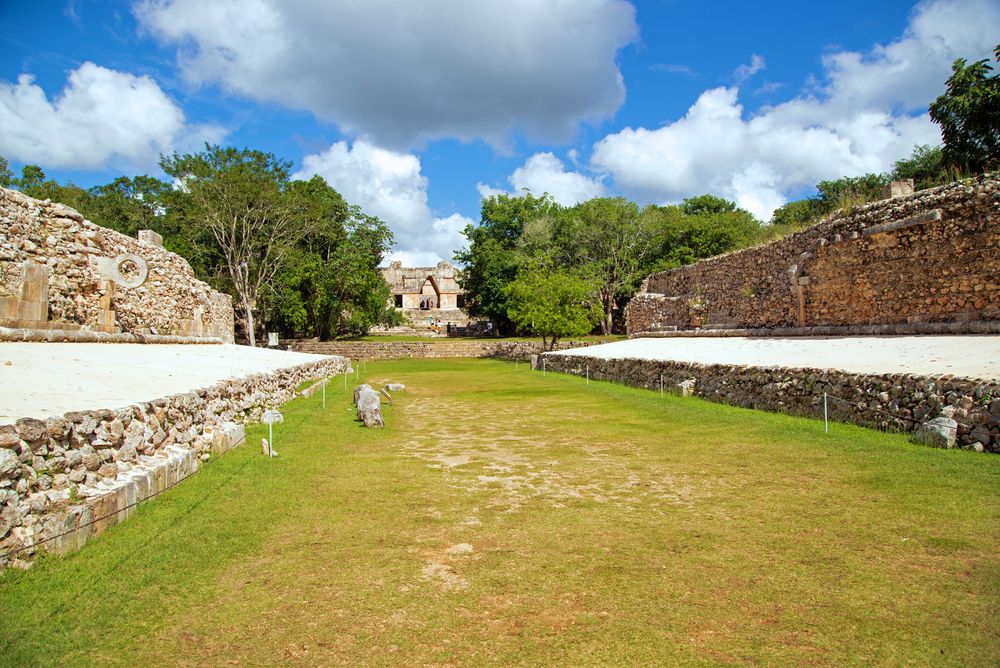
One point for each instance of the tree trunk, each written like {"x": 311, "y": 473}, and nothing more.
{"x": 251, "y": 333}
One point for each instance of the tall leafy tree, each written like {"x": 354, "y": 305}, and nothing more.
{"x": 969, "y": 115}
{"x": 239, "y": 198}
{"x": 552, "y": 303}
{"x": 612, "y": 239}
{"x": 492, "y": 259}
{"x": 331, "y": 285}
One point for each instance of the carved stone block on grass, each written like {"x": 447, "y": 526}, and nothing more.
{"x": 369, "y": 406}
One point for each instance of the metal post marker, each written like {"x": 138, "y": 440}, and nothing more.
{"x": 588, "y": 374}
{"x": 826, "y": 421}
{"x": 661, "y": 384}
{"x": 270, "y": 417}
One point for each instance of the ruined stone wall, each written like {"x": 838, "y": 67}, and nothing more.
{"x": 378, "y": 350}
{"x": 933, "y": 256}
{"x": 40, "y": 240}
{"x": 895, "y": 402}
{"x": 61, "y": 474}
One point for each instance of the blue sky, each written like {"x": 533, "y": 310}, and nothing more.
{"x": 415, "y": 110}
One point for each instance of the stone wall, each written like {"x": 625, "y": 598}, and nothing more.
{"x": 378, "y": 350}
{"x": 933, "y": 256}
{"x": 79, "y": 474}
{"x": 59, "y": 271}
{"x": 896, "y": 402}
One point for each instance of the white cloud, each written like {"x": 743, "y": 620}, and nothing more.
{"x": 406, "y": 72}
{"x": 545, "y": 173}
{"x": 389, "y": 185}
{"x": 868, "y": 112}
{"x": 744, "y": 72}
{"x": 102, "y": 116}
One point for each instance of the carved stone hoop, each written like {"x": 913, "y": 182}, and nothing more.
{"x": 112, "y": 269}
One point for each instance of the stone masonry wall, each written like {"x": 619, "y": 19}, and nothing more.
{"x": 59, "y": 475}
{"x": 378, "y": 350}
{"x": 933, "y": 256}
{"x": 896, "y": 402}
{"x": 41, "y": 240}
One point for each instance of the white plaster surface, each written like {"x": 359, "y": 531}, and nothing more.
{"x": 968, "y": 356}
{"x": 42, "y": 380}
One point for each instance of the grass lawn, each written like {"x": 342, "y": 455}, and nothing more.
{"x": 506, "y": 517}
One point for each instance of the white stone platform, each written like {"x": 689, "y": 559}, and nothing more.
{"x": 48, "y": 379}
{"x": 968, "y": 356}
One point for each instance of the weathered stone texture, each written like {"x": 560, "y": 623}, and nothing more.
{"x": 76, "y": 254}
{"x": 933, "y": 256}
{"x": 59, "y": 474}
{"x": 895, "y": 402}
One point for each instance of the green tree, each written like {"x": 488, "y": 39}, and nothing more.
{"x": 925, "y": 166}
{"x": 238, "y": 197}
{"x": 330, "y": 284}
{"x": 493, "y": 257}
{"x": 969, "y": 115}
{"x": 132, "y": 204}
{"x": 611, "y": 238}
{"x": 699, "y": 228}
{"x": 552, "y": 303}
{"x": 6, "y": 176}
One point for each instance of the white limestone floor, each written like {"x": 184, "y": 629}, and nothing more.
{"x": 48, "y": 379}
{"x": 968, "y": 356}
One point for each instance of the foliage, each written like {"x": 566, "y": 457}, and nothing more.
{"x": 238, "y": 197}
{"x": 552, "y": 303}
{"x": 330, "y": 285}
{"x": 6, "y": 176}
{"x": 491, "y": 261}
{"x": 694, "y": 231}
{"x": 969, "y": 115}
{"x": 612, "y": 240}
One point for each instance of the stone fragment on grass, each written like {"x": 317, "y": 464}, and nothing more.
{"x": 369, "y": 406}
{"x": 938, "y": 433}
{"x": 395, "y": 387}
{"x": 686, "y": 388}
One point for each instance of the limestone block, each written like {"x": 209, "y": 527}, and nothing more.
{"x": 369, "y": 406}
{"x": 150, "y": 238}
{"x": 939, "y": 433}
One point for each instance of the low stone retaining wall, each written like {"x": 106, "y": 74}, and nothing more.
{"x": 63, "y": 480}
{"x": 87, "y": 336}
{"x": 896, "y": 402}
{"x": 899, "y": 329}
{"x": 379, "y": 350}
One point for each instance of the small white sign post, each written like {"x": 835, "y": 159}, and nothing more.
{"x": 269, "y": 418}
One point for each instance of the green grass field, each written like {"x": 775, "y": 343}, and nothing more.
{"x": 506, "y": 517}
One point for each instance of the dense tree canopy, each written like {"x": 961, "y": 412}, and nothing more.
{"x": 606, "y": 243}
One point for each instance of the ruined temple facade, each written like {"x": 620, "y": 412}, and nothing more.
{"x": 422, "y": 293}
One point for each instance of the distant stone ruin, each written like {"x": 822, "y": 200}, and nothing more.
{"x": 65, "y": 278}
{"x": 925, "y": 262}
{"x": 426, "y": 294}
